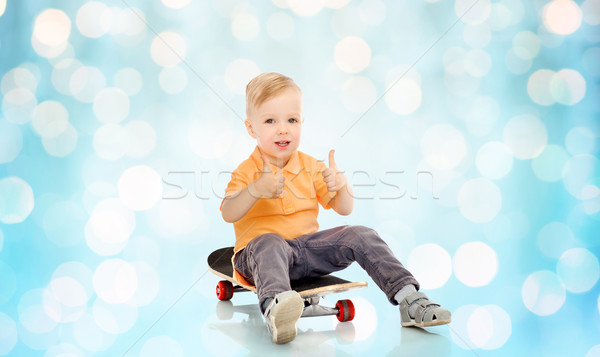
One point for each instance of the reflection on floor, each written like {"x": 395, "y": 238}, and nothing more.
{"x": 239, "y": 328}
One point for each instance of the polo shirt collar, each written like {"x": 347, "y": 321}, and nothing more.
{"x": 292, "y": 166}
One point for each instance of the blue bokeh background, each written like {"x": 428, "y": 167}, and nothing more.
{"x": 469, "y": 129}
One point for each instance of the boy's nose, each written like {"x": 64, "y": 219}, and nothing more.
{"x": 282, "y": 129}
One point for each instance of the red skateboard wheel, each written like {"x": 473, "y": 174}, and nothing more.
{"x": 224, "y": 290}
{"x": 345, "y": 310}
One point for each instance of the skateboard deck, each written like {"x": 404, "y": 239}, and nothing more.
{"x": 219, "y": 263}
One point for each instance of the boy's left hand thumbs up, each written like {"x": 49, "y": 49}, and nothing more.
{"x": 333, "y": 178}
{"x": 331, "y": 159}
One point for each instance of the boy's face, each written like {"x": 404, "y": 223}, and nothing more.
{"x": 276, "y": 125}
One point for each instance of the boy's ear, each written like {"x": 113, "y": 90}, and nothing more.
{"x": 249, "y": 128}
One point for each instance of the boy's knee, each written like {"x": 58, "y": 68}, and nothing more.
{"x": 363, "y": 231}
{"x": 270, "y": 242}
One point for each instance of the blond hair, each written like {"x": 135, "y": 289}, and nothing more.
{"x": 266, "y": 86}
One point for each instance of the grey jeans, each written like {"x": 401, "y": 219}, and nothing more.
{"x": 269, "y": 261}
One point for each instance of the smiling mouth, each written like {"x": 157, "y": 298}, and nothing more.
{"x": 282, "y": 143}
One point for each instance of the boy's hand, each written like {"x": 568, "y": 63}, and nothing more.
{"x": 334, "y": 179}
{"x": 268, "y": 184}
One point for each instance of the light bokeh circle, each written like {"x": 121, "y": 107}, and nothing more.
{"x": 431, "y": 265}
{"x": 11, "y": 142}
{"x": 478, "y": 63}
{"x": 594, "y": 351}
{"x": 63, "y": 350}
{"x": 526, "y": 45}
{"x": 538, "y": 87}
{"x": 86, "y": 82}
{"x": 479, "y": 200}
{"x": 578, "y": 269}
{"x": 9, "y": 283}
{"x": 483, "y": 115}
{"x": 141, "y": 138}
{"x": 460, "y": 326}
{"x": 580, "y": 140}
{"x": 567, "y": 87}
{"x": 579, "y": 174}
{"x": 443, "y": 146}
{"x": 94, "y": 19}
{"x": 489, "y": 327}
{"x": 526, "y": 136}
{"x": 111, "y": 105}
{"x": 475, "y": 264}
{"x": 176, "y": 4}
{"x": 65, "y": 299}
{"x": 140, "y": 188}
{"x": 63, "y": 144}
{"x": 352, "y": 54}
{"x": 554, "y": 239}
{"x": 562, "y": 17}
{"x": 9, "y": 335}
{"x": 358, "y": 94}
{"x": 163, "y": 345}
{"x": 209, "y": 139}
{"x": 115, "y": 281}
{"x": 548, "y": 166}
{"x": 111, "y": 141}
{"x": 404, "y": 96}
{"x": 20, "y": 77}
{"x": 515, "y": 64}
{"x": 18, "y": 105}
{"x": 245, "y": 27}
{"x": 52, "y": 27}
{"x": 50, "y": 119}
{"x": 114, "y": 318}
{"x": 280, "y": 26}
{"x": 16, "y": 200}
{"x": 90, "y": 336}
{"x": 494, "y": 160}
{"x": 305, "y": 7}
{"x": 111, "y": 221}
{"x": 472, "y": 13}
{"x": 148, "y": 284}
{"x": 172, "y": 80}
{"x": 238, "y": 73}
{"x": 543, "y": 293}
{"x": 129, "y": 80}
{"x": 372, "y": 12}
{"x": 168, "y": 49}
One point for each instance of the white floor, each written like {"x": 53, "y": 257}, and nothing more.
{"x": 236, "y": 327}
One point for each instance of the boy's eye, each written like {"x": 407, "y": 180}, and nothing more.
{"x": 292, "y": 120}
{"x": 269, "y": 121}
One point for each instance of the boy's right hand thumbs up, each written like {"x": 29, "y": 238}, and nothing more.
{"x": 268, "y": 184}
{"x": 266, "y": 166}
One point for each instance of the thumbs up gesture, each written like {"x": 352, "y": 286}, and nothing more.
{"x": 268, "y": 184}
{"x": 334, "y": 179}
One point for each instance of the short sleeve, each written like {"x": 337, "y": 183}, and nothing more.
{"x": 323, "y": 195}
{"x": 239, "y": 180}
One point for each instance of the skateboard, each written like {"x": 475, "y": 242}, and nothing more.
{"x": 310, "y": 289}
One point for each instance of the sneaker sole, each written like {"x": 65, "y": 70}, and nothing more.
{"x": 285, "y": 316}
{"x": 426, "y": 324}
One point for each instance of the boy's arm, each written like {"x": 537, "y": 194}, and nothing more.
{"x": 266, "y": 185}
{"x": 236, "y": 207}
{"x": 343, "y": 201}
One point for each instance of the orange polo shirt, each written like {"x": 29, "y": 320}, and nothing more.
{"x": 292, "y": 214}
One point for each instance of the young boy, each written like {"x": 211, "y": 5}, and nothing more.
{"x": 272, "y": 202}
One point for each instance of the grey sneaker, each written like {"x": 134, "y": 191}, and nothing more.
{"x": 282, "y": 315}
{"x": 428, "y": 313}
